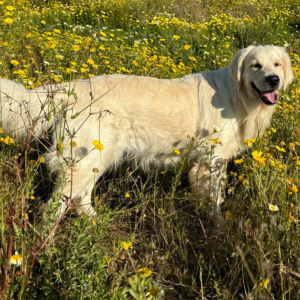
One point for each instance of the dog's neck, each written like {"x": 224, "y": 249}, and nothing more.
{"x": 252, "y": 116}
{"x": 255, "y": 115}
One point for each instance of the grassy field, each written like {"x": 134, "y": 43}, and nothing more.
{"x": 151, "y": 238}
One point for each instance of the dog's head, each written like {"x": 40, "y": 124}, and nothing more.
{"x": 261, "y": 71}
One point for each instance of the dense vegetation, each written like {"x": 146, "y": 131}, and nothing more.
{"x": 151, "y": 237}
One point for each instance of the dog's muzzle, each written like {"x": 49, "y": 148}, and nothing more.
{"x": 271, "y": 96}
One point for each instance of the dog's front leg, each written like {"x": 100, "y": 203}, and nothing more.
{"x": 205, "y": 181}
{"x": 79, "y": 188}
{"x": 74, "y": 188}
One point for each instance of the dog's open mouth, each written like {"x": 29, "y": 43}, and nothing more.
{"x": 268, "y": 97}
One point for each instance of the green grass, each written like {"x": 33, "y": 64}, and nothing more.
{"x": 258, "y": 255}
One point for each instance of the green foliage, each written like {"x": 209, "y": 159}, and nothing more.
{"x": 257, "y": 257}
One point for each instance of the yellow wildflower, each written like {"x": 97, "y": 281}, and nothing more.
{"x": 280, "y": 149}
{"x": 187, "y": 47}
{"x": 127, "y": 245}
{"x": 8, "y": 21}
{"x": 257, "y": 155}
{"x": 127, "y": 195}
{"x": 291, "y": 218}
{"x": 281, "y": 166}
{"x": 250, "y": 142}
{"x": 215, "y": 141}
{"x": 9, "y": 7}
{"x": 263, "y": 285}
{"x": 60, "y": 145}
{"x": 292, "y": 189}
{"x": 98, "y": 145}
{"x": 90, "y": 61}
{"x": 14, "y": 62}
{"x": 239, "y": 161}
{"x": 76, "y": 48}
{"x": 146, "y": 272}
{"x": 193, "y": 58}
{"x": 176, "y": 37}
{"x": 176, "y": 151}
{"x": 8, "y": 140}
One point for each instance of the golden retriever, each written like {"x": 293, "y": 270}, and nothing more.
{"x": 147, "y": 118}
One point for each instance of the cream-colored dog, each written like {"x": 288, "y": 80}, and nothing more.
{"x": 145, "y": 119}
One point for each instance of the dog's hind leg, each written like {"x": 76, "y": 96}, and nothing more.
{"x": 76, "y": 183}
{"x": 205, "y": 181}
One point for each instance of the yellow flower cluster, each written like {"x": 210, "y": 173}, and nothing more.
{"x": 71, "y": 51}
{"x": 8, "y": 140}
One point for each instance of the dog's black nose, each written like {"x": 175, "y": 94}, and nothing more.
{"x": 272, "y": 80}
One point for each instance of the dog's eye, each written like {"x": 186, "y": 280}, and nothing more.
{"x": 257, "y": 66}
{"x": 277, "y": 65}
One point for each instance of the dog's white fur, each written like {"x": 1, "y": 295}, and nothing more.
{"x": 146, "y": 118}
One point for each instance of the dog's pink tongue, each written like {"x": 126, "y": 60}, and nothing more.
{"x": 271, "y": 96}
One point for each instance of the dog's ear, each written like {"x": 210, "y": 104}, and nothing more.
{"x": 287, "y": 68}
{"x": 236, "y": 66}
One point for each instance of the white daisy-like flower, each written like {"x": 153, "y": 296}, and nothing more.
{"x": 58, "y": 56}
{"x": 16, "y": 259}
{"x": 273, "y": 207}
{"x": 155, "y": 291}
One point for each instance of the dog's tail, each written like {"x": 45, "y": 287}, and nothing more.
{"x": 30, "y": 112}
